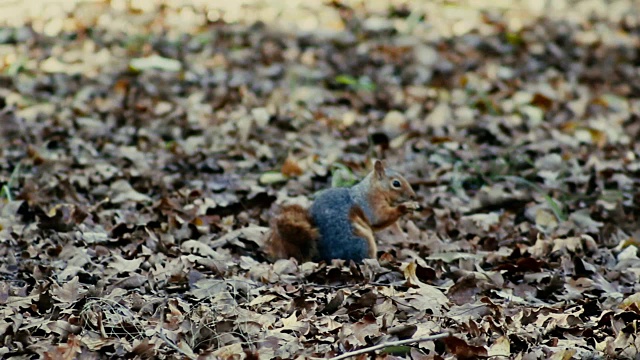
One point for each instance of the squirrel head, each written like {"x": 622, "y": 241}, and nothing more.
{"x": 392, "y": 184}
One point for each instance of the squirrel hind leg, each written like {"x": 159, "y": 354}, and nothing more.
{"x": 293, "y": 234}
{"x": 362, "y": 228}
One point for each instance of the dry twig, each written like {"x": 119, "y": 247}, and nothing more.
{"x": 391, "y": 343}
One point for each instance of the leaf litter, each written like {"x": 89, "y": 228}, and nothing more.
{"x": 141, "y": 167}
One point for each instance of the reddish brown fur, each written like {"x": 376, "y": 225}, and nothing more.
{"x": 293, "y": 234}
{"x": 386, "y": 216}
{"x": 356, "y": 214}
{"x": 362, "y": 228}
{"x": 382, "y": 198}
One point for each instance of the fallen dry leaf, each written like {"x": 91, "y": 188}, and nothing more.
{"x": 141, "y": 168}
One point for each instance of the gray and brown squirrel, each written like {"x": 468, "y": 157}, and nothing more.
{"x": 341, "y": 222}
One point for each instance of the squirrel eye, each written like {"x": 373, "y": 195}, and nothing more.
{"x": 396, "y": 184}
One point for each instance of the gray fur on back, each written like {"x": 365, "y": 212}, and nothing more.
{"x": 330, "y": 212}
{"x": 360, "y": 195}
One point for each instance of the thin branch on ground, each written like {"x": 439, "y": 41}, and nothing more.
{"x": 388, "y": 344}
{"x": 174, "y": 346}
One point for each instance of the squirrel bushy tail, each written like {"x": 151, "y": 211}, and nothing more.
{"x": 293, "y": 234}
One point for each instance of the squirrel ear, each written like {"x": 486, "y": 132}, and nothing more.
{"x": 379, "y": 169}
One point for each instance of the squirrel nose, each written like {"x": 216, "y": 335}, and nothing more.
{"x": 412, "y": 195}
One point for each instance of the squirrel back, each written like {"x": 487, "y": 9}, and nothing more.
{"x": 341, "y": 222}
{"x": 345, "y": 231}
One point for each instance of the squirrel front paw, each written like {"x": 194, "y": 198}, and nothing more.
{"x": 409, "y": 206}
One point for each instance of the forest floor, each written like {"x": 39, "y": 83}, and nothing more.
{"x": 145, "y": 146}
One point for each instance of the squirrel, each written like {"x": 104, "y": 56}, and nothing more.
{"x": 341, "y": 222}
